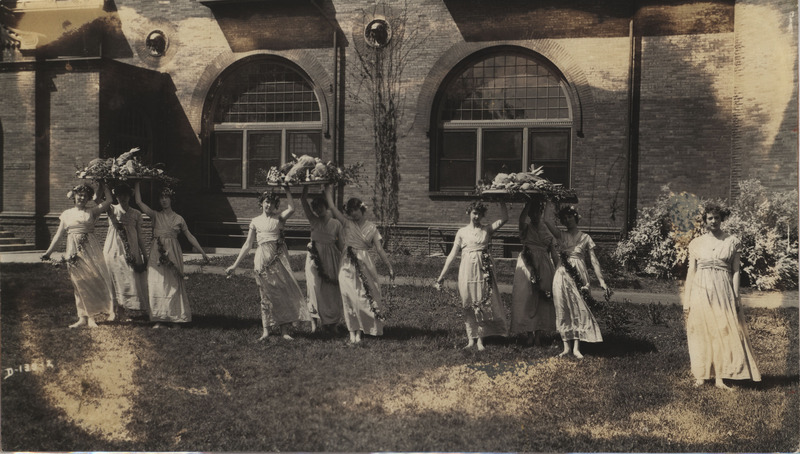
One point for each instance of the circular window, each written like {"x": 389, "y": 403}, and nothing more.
{"x": 156, "y": 43}
{"x": 378, "y": 33}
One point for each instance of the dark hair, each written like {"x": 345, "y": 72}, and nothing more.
{"x": 270, "y": 196}
{"x": 568, "y": 211}
{"x": 318, "y": 204}
{"x": 535, "y": 208}
{"x": 82, "y": 188}
{"x": 122, "y": 189}
{"x": 477, "y": 207}
{"x": 717, "y": 209}
{"x": 354, "y": 204}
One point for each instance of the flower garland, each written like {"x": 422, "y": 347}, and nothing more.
{"x": 527, "y": 259}
{"x": 123, "y": 235}
{"x": 314, "y": 254}
{"x": 483, "y": 308}
{"x": 278, "y": 252}
{"x": 72, "y": 260}
{"x": 373, "y": 305}
{"x": 576, "y": 277}
{"x": 163, "y": 258}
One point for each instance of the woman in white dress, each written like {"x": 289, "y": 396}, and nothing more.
{"x": 124, "y": 253}
{"x": 282, "y": 301}
{"x": 716, "y": 331}
{"x": 574, "y": 319}
{"x": 322, "y": 263}
{"x": 484, "y": 313}
{"x": 166, "y": 290}
{"x": 84, "y": 257}
{"x": 358, "y": 279}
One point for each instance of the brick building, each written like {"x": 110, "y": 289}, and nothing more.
{"x": 616, "y": 98}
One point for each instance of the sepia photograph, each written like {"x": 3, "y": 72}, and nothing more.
{"x": 399, "y": 226}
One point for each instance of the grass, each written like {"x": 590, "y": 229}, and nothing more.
{"x": 210, "y": 387}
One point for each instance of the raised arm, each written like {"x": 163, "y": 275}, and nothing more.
{"x": 306, "y": 207}
{"x": 503, "y": 218}
{"x": 332, "y": 205}
{"x": 106, "y": 203}
{"x": 56, "y": 239}
{"x": 289, "y": 211}
{"x": 523, "y": 217}
{"x": 248, "y": 243}
{"x": 450, "y": 257}
{"x": 548, "y": 217}
{"x": 137, "y": 195}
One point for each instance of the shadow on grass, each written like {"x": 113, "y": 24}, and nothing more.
{"x": 403, "y": 332}
{"x": 769, "y": 382}
{"x": 618, "y": 345}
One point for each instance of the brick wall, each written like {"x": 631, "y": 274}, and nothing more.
{"x": 17, "y": 122}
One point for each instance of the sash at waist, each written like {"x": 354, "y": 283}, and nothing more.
{"x": 79, "y": 230}
{"x": 713, "y": 264}
{"x": 166, "y": 235}
{"x": 357, "y": 248}
{"x": 471, "y": 249}
{"x": 535, "y": 247}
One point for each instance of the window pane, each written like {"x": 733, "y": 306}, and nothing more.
{"x": 459, "y": 145}
{"x": 263, "y": 152}
{"x": 549, "y": 146}
{"x": 456, "y": 174}
{"x": 502, "y": 152}
{"x": 304, "y": 142}
{"x": 227, "y": 172}
{"x": 556, "y": 173}
{"x": 228, "y": 145}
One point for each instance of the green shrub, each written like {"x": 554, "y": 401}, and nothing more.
{"x": 764, "y": 221}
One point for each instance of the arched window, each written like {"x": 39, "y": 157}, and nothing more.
{"x": 500, "y": 112}
{"x": 264, "y": 111}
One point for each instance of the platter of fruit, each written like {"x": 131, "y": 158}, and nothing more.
{"x": 125, "y": 167}
{"x": 525, "y": 185}
{"x": 308, "y": 170}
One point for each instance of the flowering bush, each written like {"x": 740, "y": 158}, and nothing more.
{"x": 764, "y": 221}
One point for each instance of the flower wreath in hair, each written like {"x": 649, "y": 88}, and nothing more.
{"x": 169, "y": 192}
{"x": 270, "y": 196}
{"x": 568, "y": 211}
{"x": 478, "y": 207}
{"x": 82, "y": 188}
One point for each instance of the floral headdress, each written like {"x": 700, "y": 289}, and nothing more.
{"x": 569, "y": 211}
{"x": 270, "y": 196}
{"x": 82, "y": 188}
{"x": 169, "y": 192}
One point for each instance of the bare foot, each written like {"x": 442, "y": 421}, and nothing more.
{"x": 90, "y": 323}
{"x": 313, "y": 326}
{"x": 719, "y": 384}
{"x": 698, "y": 383}
{"x": 112, "y": 316}
{"x": 288, "y": 337}
{"x": 79, "y": 323}
{"x": 469, "y": 344}
{"x": 264, "y": 335}
{"x": 159, "y": 326}
{"x": 564, "y": 353}
{"x": 480, "y": 346}
{"x": 577, "y": 354}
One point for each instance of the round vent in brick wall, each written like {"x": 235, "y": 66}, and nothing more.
{"x": 378, "y": 33}
{"x": 156, "y": 43}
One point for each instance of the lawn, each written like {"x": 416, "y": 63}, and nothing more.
{"x": 210, "y": 387}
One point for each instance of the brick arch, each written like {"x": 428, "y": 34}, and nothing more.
{"x": 210, "y": 78}
{"x": 578, "y": 87}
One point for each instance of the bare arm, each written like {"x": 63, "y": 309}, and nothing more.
{"x": 140, "y": 239}
{"x": 503, "y": 219}
{"x": 332, "y": 205}
{"x": 306, "y": 207}
{"x": 523, "y": 218}
{"x": 56, "y": 239}
{"x": 289, "y": 211}
{"x": 687, "y": 291}
{"x": 450, "y": 257}
{"x": 193, "y": 242}
{"x": 382, "y": 255}
{"x": 736, "y": 266}
{"x": 596, "y": 266}
{"x": 105, "y": 204}
{"x": 549, "y": 221}
{"x": 137, "y": 195}
{"x": 245, "y": 248}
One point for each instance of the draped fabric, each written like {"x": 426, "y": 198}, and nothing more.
{"x": 166, "y": 289}
{"x": 716, "y": 330}
{"x": 574, "y": 320}
{"x": 358, "y": 314}
{"x": 473, "y": 242}
{"x": 531, "y": 308}
{"x": 129, "y": 286}
{"x": 282, "y": 301}
{"x": 324, "y": 297}
{"x": 89, "y": 274}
